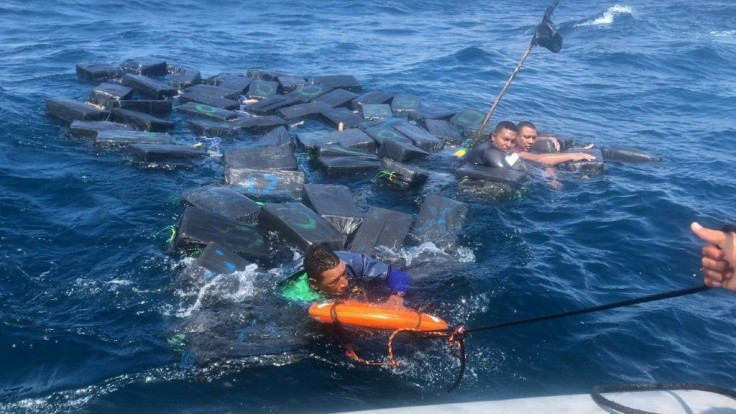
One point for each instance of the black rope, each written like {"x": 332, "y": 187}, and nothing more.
{"x": 595, "y": 394}
{"x": 461, "y": 348}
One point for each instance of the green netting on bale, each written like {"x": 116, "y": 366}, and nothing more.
{"x": 296, "y": 288}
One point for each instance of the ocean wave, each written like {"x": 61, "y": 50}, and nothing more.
{"x": 608, "y": 16}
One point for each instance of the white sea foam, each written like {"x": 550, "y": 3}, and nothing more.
{"x": 234, "y": 287}
{"x": 723, "y": 33}
{"x": 608, "y": 16}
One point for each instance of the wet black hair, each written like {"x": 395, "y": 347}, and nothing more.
{"x": 525, "y": 124}
{"x": 318, "y": 259}
{"x": 505, "y": 125}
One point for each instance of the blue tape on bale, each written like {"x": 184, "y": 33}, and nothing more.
{"x": 220, "y": 260}
{"x": 267, "y": 184}
{"x": 440, "y": 220}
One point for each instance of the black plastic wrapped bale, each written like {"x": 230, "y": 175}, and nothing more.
{"x": 426, "y": 113}
{"x": 420, "y": 137}
{"x": 381, "y": 133}
{"x": 145, "y": 67}
{"x": 500, "y": 175}
{"x": 335, "y": 204}
{"x": 158, "y": 107}
{"x": 440, "y": 220}
{"x": 340, "y": 151}
{"x": 125, "y": 137}
{"x": 161, "y": 152}
{"x": 105, "y": 93}
{"x": 262, "y": 158}
{"x": 206, "y": 111}
{"x": 274, "y": 138}
{"x": 314, "y": 139}
{"x": 140, "y": 120}
{"x": 212, "y": 128}
{"x": 213, "y": 90}
{"x": 224, "y": 201}
{"x": 588, "y": 168}
{"x": 341, "y": 166}
{"x": 373, "y": 112}
{"x": 198, "y": 227}
{"x": 184, "y": 78}
{"x": 404, "y": 104}
{"x": 355, "y": 138}
{"x": 269, "y": 184}
{"x": 256, "y": 124}
{"x": 400, "y": 151}
{"x": 89, "y": 129}
{"x": 628, "y": 155}
{"x": 237, "y": 83}
{"x": 68, "y": 111}
{"x": 149, "y": 87}
{"x": 486, "y": 190}
{"x": 264, "y": 74}
{"x": 401, "y": 175}
{"x": 469, "y": 120}
{"x": 344, "y": 116}
{"x": 291, "y": 83}
{"x": 300, "y": 225}
{"x": 209, "y": 99}
{"x": 261, "y": 89}
{"x": 444, "y": 130}
{"x": 96, "y": 71}
{"x": 220, "y": 260}
{"x": 346, "y": 82}
{"x": 337, "y": 97}
{"x": 381, "y": 227}
{"x": 308, "y": 93}
{"x": 373, "y": 97}
{"x": 296, "y": 112}
{"x": 270, "y": 105}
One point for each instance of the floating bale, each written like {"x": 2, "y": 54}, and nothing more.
{"x": 307, "y": 93}
{"x": 96, "y": 71}
{"x": 270, "y": 105}
{"x": 206, "y": 111}
{"x": 261, "y": 89}
{"x": 354, "y": 138}
{"x": 373, "y": 112}
{"x": 125, "y": 137}
{"x": 344, "y": 116}
{"x": 295, "y": 112}
{"x": 381, "y": 227}
{"x": 400, "y": 151}
{"x": 264, "y": 74}
{"x": 340, "y": 151}
{"x": 220, "y": 260}
{"x": 207, "y": 128}
{"x": 487, "y": 190}
{"x": 147, "y": 106}
{"x": 209, "y": 99}
{"x": 105, "y": 93}
{"x": 499, "y": 175}
{"x": 159, "y": 152}
{"x": 255, "y": 124}
{"x": 237, "y": 83}
{"x": 68, "y": 111}
{"x": 271, "y": 184}
{"x": 224, "y": 201}
{"x": 628, "y": 155}
{"x": 312, "y": 140}
{"x": 291, "y": 83}
{"x": 198, "y": 227}
{"x": 335, "y": 204}
{"x": 337, "y": 97}
{"x": 380, "y": 133}
{"x": 261, "y": 158}
{"x": 373, "y": 97}
{"x": 403, "y": 104}
{"x": 140, "y": 120}
{"x": 276, "y": 137}
{"x": 401, "y": 175}
{"x": 439, "y": 221}
{"x": 149, "y": 87}
{"x": 145, "y": 67}
{"x": 594, "y": 167}
{"x": 346, "y": 82}
{"x": 213, "y": 90}
{"x": 89, "y": 129}
{"x": 340, "y": 166}
{"x": 300, "y": 225}
{"x": 444, "y": 130}
{"x": 426, "y": 113}
{"x": 420, "y": 137}
{"x": 469, "y": 121}
{"x": 184, "y": 78}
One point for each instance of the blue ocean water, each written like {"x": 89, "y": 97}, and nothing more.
{"x": 90, "y": 294}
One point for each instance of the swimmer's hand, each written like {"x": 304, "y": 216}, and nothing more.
{"x": 395, "y": 301}
{"x": 719, "y": 256}
{"x": 588, "y": 146}
{"x": 581, "y": 156}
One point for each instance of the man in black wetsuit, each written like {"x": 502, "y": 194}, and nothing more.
{"x": 495, "y": 152}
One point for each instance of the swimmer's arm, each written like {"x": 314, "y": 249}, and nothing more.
{"x": 556, "y": 158}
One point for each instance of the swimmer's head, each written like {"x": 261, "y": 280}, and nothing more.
{"x": 503, "y": 137}
{"x": 326, "y": 273}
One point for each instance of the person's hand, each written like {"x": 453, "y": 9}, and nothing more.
{"x": 719, "y": 256}
{"x": 395, "y": 301}
{"x": 581, "y": 156}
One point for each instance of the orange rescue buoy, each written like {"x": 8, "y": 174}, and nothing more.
{"x": 367, "y": 315}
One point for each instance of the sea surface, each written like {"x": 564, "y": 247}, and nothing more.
{"x": 92, "y": 297}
